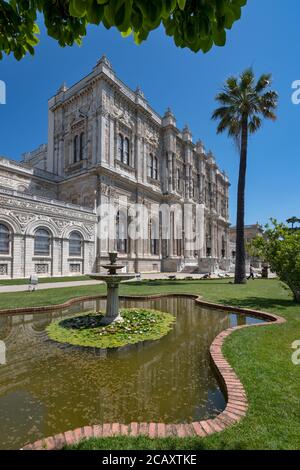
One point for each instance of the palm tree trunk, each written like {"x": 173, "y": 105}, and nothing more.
{"x": 240, "y": 263}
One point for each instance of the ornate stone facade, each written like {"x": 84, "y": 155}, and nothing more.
{"x": 105, "y": 144}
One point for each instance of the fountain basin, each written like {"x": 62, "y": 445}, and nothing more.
{"x": 113, "y": 281}
{"x": 117, "y": 278}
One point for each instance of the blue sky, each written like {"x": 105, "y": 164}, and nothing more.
{"x": 266, "y": 38}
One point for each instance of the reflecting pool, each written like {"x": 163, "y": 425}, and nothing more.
{"x": 47, "y": 388}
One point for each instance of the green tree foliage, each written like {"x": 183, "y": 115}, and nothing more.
{"x": 280, "y": 247}
{"x": 196, "y": 24}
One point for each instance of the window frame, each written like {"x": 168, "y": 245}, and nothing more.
{"x": 39, "y": 252}
{"x": 8, "y": 239}
{"x": 74, "y": 254}
{"x": 154, "y": 242}
{"x": 155, "y": 168}
{"x": 75, "y": 149}
{"x": 126, "y": 151}
{"x": 122, "y": 243}
{"x": 81, "y": 146}
{"x": 120, "y": 147}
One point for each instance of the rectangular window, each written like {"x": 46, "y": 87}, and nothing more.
{"x": 155, "y": 172}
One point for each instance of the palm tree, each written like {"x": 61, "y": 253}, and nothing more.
{"x": 293, "y": 220}
{"x": 244, "y": 102}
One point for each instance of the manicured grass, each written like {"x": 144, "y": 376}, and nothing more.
{"x": 261, "y": 357}
{"x": 45, "y": 297}
{"x": 139, "y": 443}
{"x": 42, "y": 280}
{"x": 86, "y": 330}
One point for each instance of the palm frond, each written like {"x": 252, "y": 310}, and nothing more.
{"x": 232, "y": 83}
{"x": 246, "y": 80}
{"x": 254, "y": 124}
{"x": 222, "y": 112}
{"x": 263, "y": 82}
{"x": 226, "y": 98}
{"x": 244, "y": 96}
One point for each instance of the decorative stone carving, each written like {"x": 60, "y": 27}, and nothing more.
{"x": 3, "y": 269}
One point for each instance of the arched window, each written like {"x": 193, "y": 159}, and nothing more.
{"x": 126, "y": 151}
{"x": 4, "y": 239}
{"x": 120, "y": 147}
{"x": 121, "y": 232}
{"x": 154, "y": 237}
{"x": 81, "y": 146}
{"x": 42, "y": 242}
{"x": 75, "y": 244}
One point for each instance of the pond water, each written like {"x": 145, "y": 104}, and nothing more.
{"x": 46, "y": 388}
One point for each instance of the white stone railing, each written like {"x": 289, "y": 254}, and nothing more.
{"x": 53, "y": 202}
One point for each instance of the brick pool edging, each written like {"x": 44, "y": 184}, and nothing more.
{"x": 236, "y": 407}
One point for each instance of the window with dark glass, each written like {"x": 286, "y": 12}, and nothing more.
{"x": 150, "y": 166}
{"x": 121, "y": 232}
{"x": 178, "y": 247}
{"x": 75, "y": 149}
{"x": 223, "y": 251}
{"x": 126, "y": 151}
{"x": 75, "y": 244}
{"x": 155, "y": 169}
{"x": 120, "y": 147}
{"x": 81, "y": 146}
{"x": 154, "y": 240}
{"x": 4, "y": 239}
{"x": 42, "y": 241}
{"x": 178, "y": 179}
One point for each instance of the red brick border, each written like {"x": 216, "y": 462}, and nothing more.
{"x": 237, "y": 403}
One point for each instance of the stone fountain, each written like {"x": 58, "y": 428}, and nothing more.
{"x": 113, "y": 280}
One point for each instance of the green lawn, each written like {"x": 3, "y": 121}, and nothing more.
{"x": 42, "y": 280}
{"x": 261, "y": 357}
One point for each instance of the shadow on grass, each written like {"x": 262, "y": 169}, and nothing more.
{"x": 178, "y": 282}
{"x": 259, "y": 303}
{"x": 144, "y": 443}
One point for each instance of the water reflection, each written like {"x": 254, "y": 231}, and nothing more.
{"x": 46, "y": 388}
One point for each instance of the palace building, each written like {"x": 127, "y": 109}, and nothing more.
{"x": 106, "y": 144}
